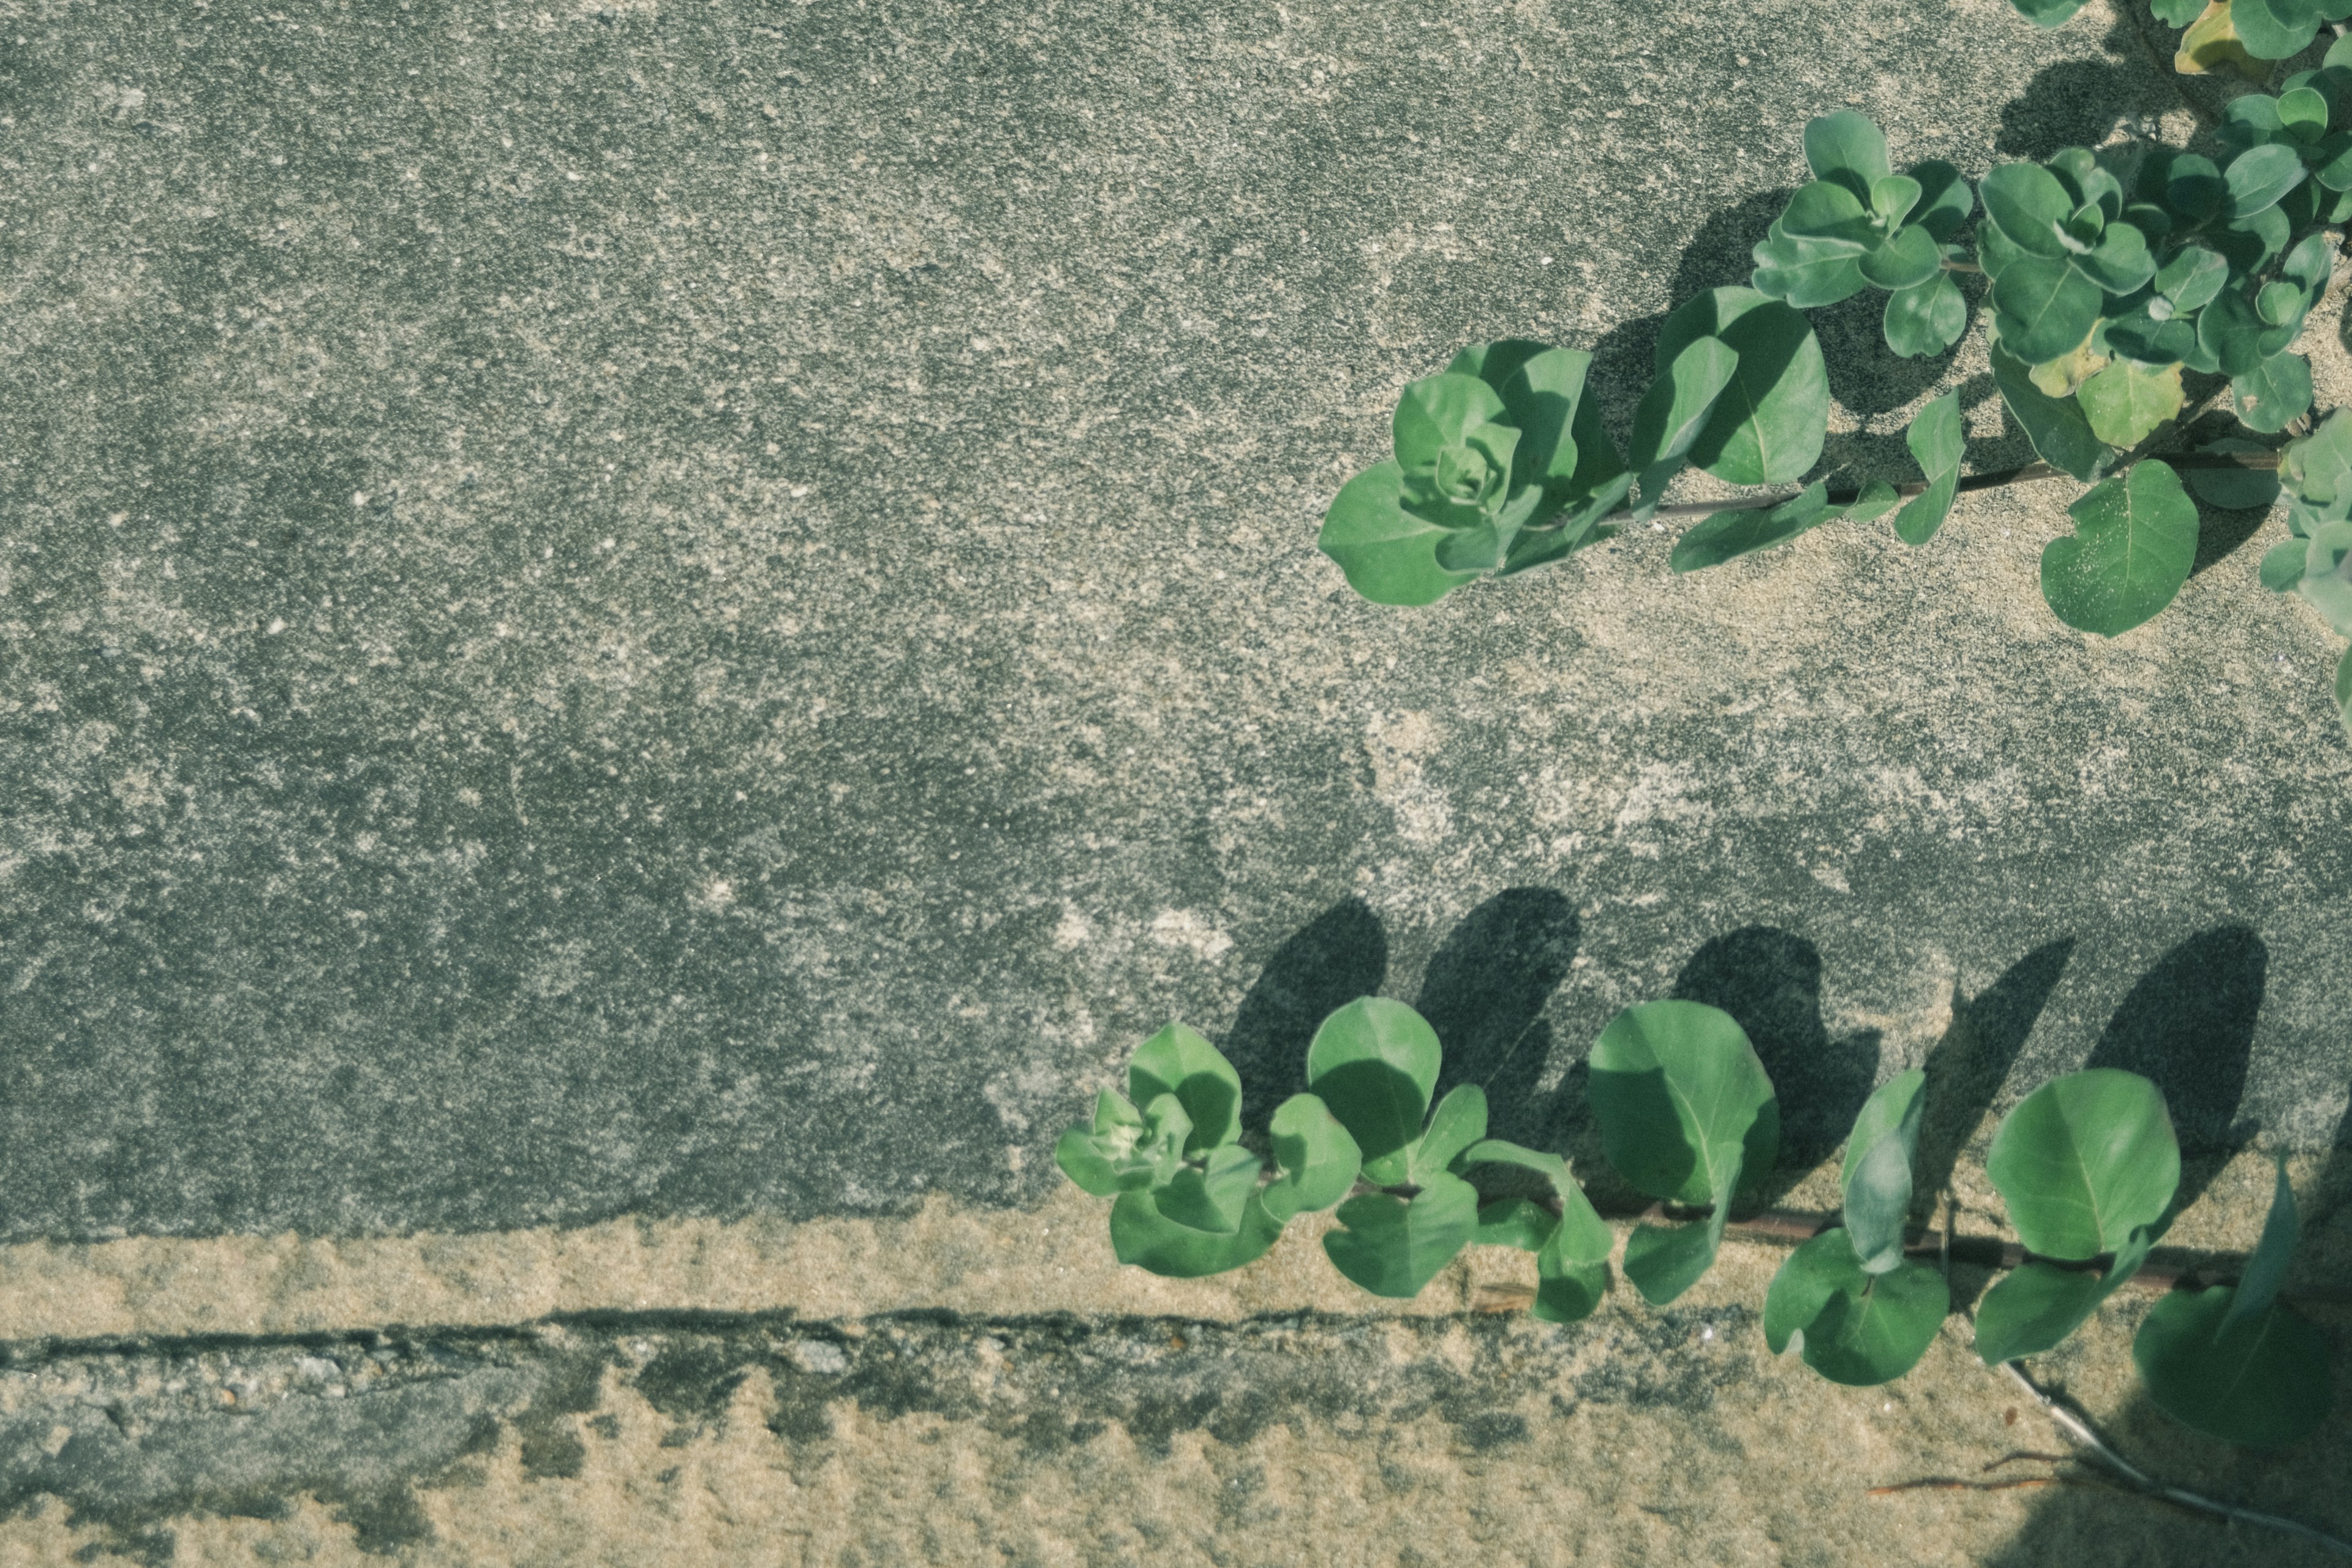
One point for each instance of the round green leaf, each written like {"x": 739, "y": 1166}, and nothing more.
{"x": 1805, "y": 272}
{"x": 2241, "y": 490}
{"x": 2033, "y": 1309}
{"x": 1389, "y": 555}
{"x": 1856, "y": 1329}
{"x": 1945, "y": 199}
{"x": 1907, "y": 257}
{"x": 2084, "y": 1161}
{"x": 1459, "y": 1121}
{"x": 2191, "y": 278}
{"x": 1516, "y": 1222}
{"x": 1440, "y": 411}
{"x": 1391, "y": 1248}
{"x": 1926, "y": 318}
{"x": 2135, "y": 539}
{"x": 1211, "y": 1196}
{"x": 1178, "y": 1062}
{"x": 2029, "y": 205}
{"x": 1681, "y": 1098}
{"x": 2273, "y": 393}
{"x": 1318, "y": 1159}
{"x": 2273, "y": 29}
{"x": 1767, "y": 425}
{"x": 2318, "y": 466}
{"x": 2261, "y": 1381}
{"x": 1831, "y": 214}
{"x": 2047, "y": 308}
{"x": 1848, "y": 148}
{"x": 1373, "y": 1063}
{"x": 2061, "y": 435}
{"x": 2259, "y": 177}
{"x": 1142, "y": 1236}
{"x": 1664, "y": 1261}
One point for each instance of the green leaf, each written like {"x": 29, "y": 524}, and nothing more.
{"x": 2061, "y": 435}
{"x": 1569, "y": 1288}
{"x": 1877, "y": 1171}
{"x": 1925, "y": 318}
{"x": 2046, "y": 308}
{"x": 1542, "y": 396}
{"x": 1459, "y": 1121}
{"x": 2259, "y": 177}
{"x": 1374, "y": 1062}
{"x": 1100, "y": 1157}
{"x": 1389, "y": 557}
{"x": 1178, "y": 1062}
{"x": 1681, "y": 1098}
{"x": 1741, "y": 531}
{"x": 1806, "y": 272}
{"x": 2263, "y": 1383}
{"x": 1945, "y": 199}
{"x": 1767, "y": 425}
{"x": 2282, "y": 567}
{"x": 2318, "y": 466}
{"x": 2343, "y": 688}
{"x": 1440, "y": 411}
{"x": 2120, "y": 263}
{"x": 2304, "y": 112}
{"x": 1142, "y": 1236}
{"x": 1392, "y": 1248}
{"x": 2029, "y": 206}
{"x": 2273, "y": 29}
{"x": 1851, "y": 1326}
{"x": 2327, "y": 581}
{"x": 2273, "y": 393}
{"x": 2046, "y": 13}
{"x": 1318, "y": 1159}
{"x": 2240, "y": 489}
{"x": 1674, "y": 411}
{"x": 1892, "y": 197}
{"x": 2126, "y": 402}
{"x": 2135, "y": 539}
{"x": 1212, "y": 1197}
{"x": 2084, "y": 1161}
{"x": 2265, "y": 1270}
{"x": 1846, "y": 147}
{"x": 1937, "y": 442}
{"x": 1516, "y": 1222}
{"x": 2191, "y": 278}
{"x": 1665, "y": 1261}
{"x": 2032, "y": 1309}
{"x": 1906, "y": 258}
{"x": 1831, "y": 214}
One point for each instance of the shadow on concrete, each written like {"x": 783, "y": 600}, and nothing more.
{"x": 1339, "y": 955}
{"x": 1484, "y": 993}
{"x": 1966, "y": 1067}
{"x": 1770, "y": 981}
{"x": 2081, "y": 103}
{"x": 2188, "y": 1027}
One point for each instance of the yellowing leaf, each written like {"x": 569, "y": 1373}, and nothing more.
{"x": 2059, "y": 377}
{"x": 2128, "y": 400}
{"x": 2211, "y": 44}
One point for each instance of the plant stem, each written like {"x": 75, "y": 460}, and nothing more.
{"x": 2077, "y": 1428}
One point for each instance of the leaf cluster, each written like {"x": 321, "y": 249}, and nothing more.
{"x": 2087, "y": 1165}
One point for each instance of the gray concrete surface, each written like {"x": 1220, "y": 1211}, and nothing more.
{"x": 711, "y": 609}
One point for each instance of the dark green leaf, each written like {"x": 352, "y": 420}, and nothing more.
{"x": 2084, "y": 1161}
{"x": 2273, "y": 392}
{"x": 1726, "y": 535}
{"x": 1567, "y": 1290}
{"x": 2262, "y": 1382}
{"x": 1392, "y": 1248}
{"x": 1877, "y": 1171}
{"x": 2281, "y": 570}
{"x": 1142, "y": 1236}
{"x": 2177, "y": 13}
{"x": 2135, "y": 539}
{"x": 1680, "y": 1097}
{"x": 1937, "y": 442}
{"x": 1767, "y": 425}
{"x": 2055, "y": 426}
{"x": 1893, "y": 197}
{"x": 1674, "y": 411}
{"x": 1178, "y": 1062}
{"x": 1805, "y": 272}
{"x": 2047, "y": 308}
{"x": 2195, "y": 186}
{"x": 1852, "y": 1327}
{"x": 1540, "y": 395}
{"x": 2032, "y": 1309}
{"x": 2265, "y": 1270}
{"x": 2230, "y": 330}
{"x": 1211, "y": 1196}
{"x": 2259, "y": 177}
{"x": 1905, "y": 259}
{"x": 1389, "y": 557}
{"x": 2121, "y": 262}
{"x": 1459, "y": 1121}
{"x": 2046, "y": 13}
{"x": 1926, "y": 318}
{"x": 2244, "y": 489}
{"x": 1846, "y": 147}
{"x": 1830, "y": 214}
{"x": 1373, "y": 1063}
{"x": 2029, "y": 205}
{"x": 2273, "y": 29}
{"x": 1572, "y": 1268}
{"x": 1665, "y": 1261}
{"x": 1098, "y": 1157}
{"x": 1516, "y": 1222}
{"x": 2191, "y": 278}
{"x": 2126, "y": 402}
{"x": 1317, "y": 1158}
{"x": 2304, "y": 112}
{"x": 1945, "y": 199}
{"x": 2343, "y": 688}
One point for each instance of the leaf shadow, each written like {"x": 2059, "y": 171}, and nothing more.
{"x": 1770, "y": 981}
{"x": 1339, "y": 955}
{"x": 2187, "y": 1026}
{"x": 2082, "y": 102}
{"x": 1484, "y": 993}
{"x": 1966, "y": 1067}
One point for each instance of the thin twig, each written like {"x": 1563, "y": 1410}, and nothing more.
{"x": 2077, "y": 1428}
